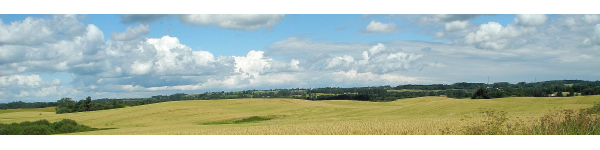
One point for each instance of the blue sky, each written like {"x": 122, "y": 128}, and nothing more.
{"x": 46, "y": 57}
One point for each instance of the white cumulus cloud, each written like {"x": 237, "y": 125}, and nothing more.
{"x": 378, "y": 27}
{"x": 67, "y": 48}
{"x": 253, "y": 63}
{"x": 456, "y": 25}
{"x": 493, "y": 36}
{"x": 376, "y": 49}
{"x": 131, "y": 33}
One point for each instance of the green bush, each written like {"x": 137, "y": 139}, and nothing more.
{"x": 43, "y": 127}
{"x": 42, "y": 122}
{"x": 10, "y": 129}
{"x": 68, "y": 126}
{"x": 36, "y": 130}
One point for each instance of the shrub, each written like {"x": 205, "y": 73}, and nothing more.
{"x": 10, "y": 129}
{"x": 42, "y": 122}
{"x": 65, "y": 126}
{"x": 43, "y": 127}
{"x": 36, "y": 130}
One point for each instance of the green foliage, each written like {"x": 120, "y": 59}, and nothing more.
{"x": 43, "y": 122}
{"x": 481, "y": 93}
{"x": 66, "y": 105}
{"x": 65, "y": 126}
{"x": 571, "y": 93}
{"x": 62, "y": 110}
{"x": 87, "y": 105}
{"x": 37, "y": 130}
{"x": 43, "y": 127}
{"x": 21, "y": 104}
{"x": 10, "y": 129}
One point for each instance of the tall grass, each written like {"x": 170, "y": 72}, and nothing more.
{"x": 569, "y": 122}
{"x": 563, "y": 122}
{"x": 493, "y": 123}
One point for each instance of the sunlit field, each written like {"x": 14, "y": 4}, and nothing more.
{"x": 424, "y": 115}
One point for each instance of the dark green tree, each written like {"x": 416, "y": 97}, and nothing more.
{"x": 65, "y": 105}
{"x": 571, "y": 93}
{"x": 481, "y": 93}
{"x": 87, "y": 105}
{"x": 559, "y": 94}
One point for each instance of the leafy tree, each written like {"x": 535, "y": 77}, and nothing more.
{"x": 481, "y": 93}
{"x": 571, "y": 93}
{"x": 79, "y": 106}
{"x": 65, "y": 105}
{"x": 559, "y": 94}
{"x": 88, "y": 104}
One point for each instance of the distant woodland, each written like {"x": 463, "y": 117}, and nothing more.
{"x": 556, "y": 88}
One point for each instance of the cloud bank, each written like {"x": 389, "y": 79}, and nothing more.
{"x": 131, "y": 64}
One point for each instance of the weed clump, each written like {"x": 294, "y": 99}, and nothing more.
{"x": 563, "y": 122}
{"x": 568, "y": 122}
{"x": 494, "y": 123}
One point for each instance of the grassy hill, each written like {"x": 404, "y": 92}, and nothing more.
{"x": 424, "y": 115}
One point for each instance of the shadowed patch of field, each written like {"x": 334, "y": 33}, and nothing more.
{"x": 243, "y": 120}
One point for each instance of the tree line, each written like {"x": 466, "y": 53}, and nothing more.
{"x": 378, "y": 93}
{"x": 66, "y": 105}
{"x": 21, "y": 104}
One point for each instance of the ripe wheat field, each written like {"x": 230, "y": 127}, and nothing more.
{"x": 424, "y": 115}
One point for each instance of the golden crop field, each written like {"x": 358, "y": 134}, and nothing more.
{"x": 424, "y": 115}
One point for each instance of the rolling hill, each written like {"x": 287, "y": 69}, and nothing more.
{"x": 424, "y": 115}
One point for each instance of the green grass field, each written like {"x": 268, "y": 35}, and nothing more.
{"x": 424, "y": 115}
